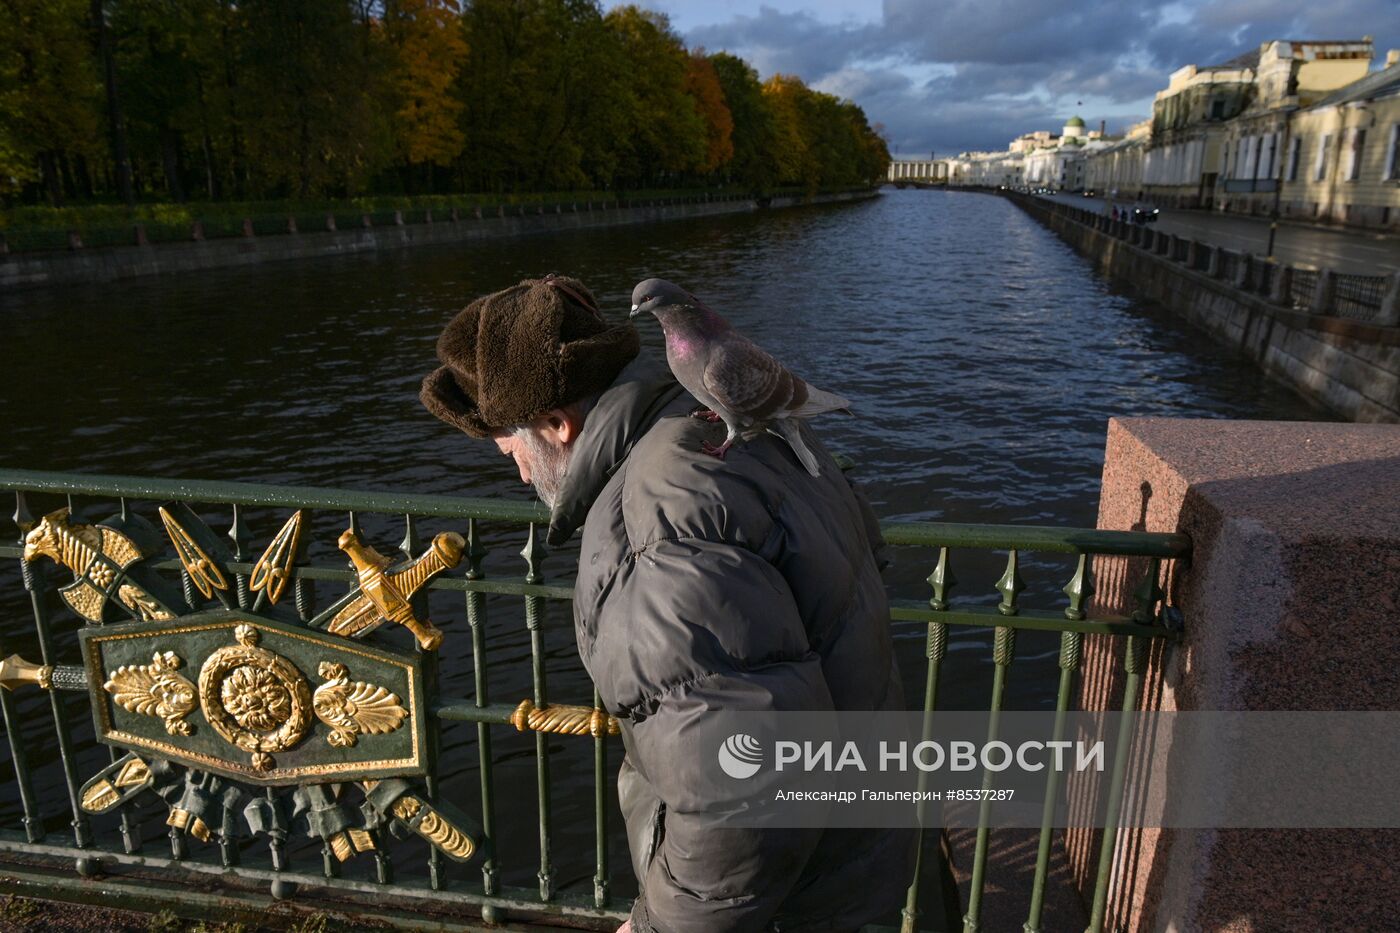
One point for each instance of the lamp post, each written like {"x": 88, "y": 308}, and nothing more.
{"x": 1283, "y": 165}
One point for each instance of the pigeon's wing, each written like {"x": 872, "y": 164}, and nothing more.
{"x": 808, "y": 400}
{"x": 746, "y": 380}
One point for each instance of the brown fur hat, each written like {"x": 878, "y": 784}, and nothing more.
{"x": 512, "y": 356}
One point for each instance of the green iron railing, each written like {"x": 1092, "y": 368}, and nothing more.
{"x": 240, "y": 858}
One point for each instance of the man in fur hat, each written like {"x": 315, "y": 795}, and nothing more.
{"x": 704, "y": 584}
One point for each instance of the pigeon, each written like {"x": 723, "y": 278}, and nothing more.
{"x": 741, "y": 384}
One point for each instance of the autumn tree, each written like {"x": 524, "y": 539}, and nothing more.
{"x": 214, "y": 99}
{"x": 785, "y": 98}
{"x": 702, "y": 84}
{"x": 429, "y": 49}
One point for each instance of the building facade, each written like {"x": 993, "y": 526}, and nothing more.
{"x": 1259, "y": 147}
{"x": 1182, "y": 158}
{"x": 1115, "y": 171}
{"x": 1341, "y": 159}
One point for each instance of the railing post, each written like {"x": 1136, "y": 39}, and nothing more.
{"x": 1325, "y": 292}
{"x": 1243, "y": 270}
{"x": 1213, "y": 261}
{"x": 1281, "y": 288}
{"x": 1390, "y": 304}
{"x": 1192, "y": 253}
{"x": 476, "y": 619}
{"x": 935, "y": 649}
{"x": 534, "y": 554}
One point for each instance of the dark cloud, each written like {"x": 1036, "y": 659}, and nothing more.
{"x": 791, "y": 43}
{"x": 1011, "y": 32}
{"x": 1000, "y": 68}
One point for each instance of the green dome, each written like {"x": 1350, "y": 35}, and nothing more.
{"x": 1075, "y": 121}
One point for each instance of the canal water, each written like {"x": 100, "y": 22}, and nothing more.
{"x": 983, "y": 359}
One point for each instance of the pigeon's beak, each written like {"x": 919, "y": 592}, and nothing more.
{"x": 635, "y": 312}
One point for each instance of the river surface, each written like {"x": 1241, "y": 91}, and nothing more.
{"x": 983, "y": 359}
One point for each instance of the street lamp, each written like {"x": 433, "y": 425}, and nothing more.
{"x": 1283, "y": 163}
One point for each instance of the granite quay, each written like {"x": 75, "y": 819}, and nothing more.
{"x": 285, "y": 237}
{"x": 1334, "y": 337}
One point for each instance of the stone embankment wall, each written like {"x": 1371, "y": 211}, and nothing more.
{"x": 107, "y": 264}
{"x": 1332, "y": 338}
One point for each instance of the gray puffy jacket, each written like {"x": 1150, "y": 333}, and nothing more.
{"x": 743, "y": 584}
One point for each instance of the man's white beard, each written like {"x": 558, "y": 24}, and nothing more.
{"x": 548, "y": 465}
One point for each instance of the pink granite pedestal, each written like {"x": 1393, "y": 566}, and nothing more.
{"x": 1290, "y": 603}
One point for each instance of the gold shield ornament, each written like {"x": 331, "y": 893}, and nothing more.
{"x": 255, "y": 699}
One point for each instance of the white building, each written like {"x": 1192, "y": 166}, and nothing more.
{"x": 1062, "y": 166}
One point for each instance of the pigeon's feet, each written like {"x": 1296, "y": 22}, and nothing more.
{"x": 704, "y": 414}
{"x": 714, "y": 451}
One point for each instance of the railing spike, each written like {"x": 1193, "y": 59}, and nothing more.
{"x": 534, "y": 553}
{"x": 24, "y": 519}
{"x": 942, "y": 580}
{"x": 1011, "y": 585}
{"x": 411, "y": 544}
{"x": 1080, "y": 588}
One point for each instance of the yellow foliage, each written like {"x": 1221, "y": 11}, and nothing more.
{"x": 430, "y": 49}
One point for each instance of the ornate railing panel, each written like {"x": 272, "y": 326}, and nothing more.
{"x": 253, "y": 719}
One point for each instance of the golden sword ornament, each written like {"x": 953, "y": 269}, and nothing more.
{"x": 385, "y": 594}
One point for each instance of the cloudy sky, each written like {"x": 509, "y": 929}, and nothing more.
{"x": 951, "y": 75}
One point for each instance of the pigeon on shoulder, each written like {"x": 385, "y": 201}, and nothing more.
{"x": 741, "y": 384}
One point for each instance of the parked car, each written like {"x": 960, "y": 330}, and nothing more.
{"x": 1145, "y": 214}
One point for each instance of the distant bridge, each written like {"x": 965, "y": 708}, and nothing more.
{"x": 918, "y": 172}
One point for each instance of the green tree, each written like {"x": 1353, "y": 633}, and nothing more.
{"x": 667, "y": 134}
{"x": 48, "y": 95}
{"x": 754, "y": 137}
{"x": 167, "y": 64}
{"x": 313, "y": 84}
{"x": 545, "y": 95}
